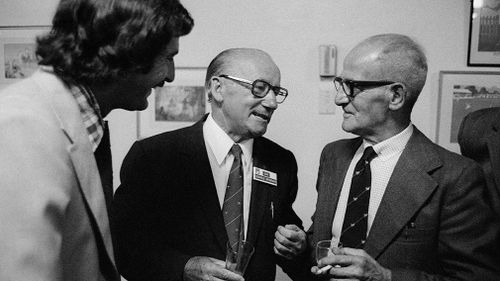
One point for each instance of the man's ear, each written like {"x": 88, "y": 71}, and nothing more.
{"x": 398, "y": 96}
{"x": 216, "y": 89}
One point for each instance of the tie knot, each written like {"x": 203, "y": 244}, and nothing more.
{"x": 369, "y": 154}
{"x": 236, "y": 151}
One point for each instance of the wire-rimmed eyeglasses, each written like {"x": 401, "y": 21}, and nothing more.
{"x": 260, "y": 88}
{"x": 348, "y": 86}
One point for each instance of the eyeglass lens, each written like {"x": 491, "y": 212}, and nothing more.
{"x": 340, "y": 84}
{"x": 261, "y": 88}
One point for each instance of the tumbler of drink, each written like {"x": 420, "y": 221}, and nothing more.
{"x": 238, "y": 256}
{"x": 325, "y": 248}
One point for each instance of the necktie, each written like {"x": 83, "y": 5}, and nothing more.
{"x": 232, "y": 208}
{"x": 104, "y": 165}
{"x": 356, "y": 217}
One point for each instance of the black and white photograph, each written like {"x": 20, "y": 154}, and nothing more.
{"x": 250, "y": 140}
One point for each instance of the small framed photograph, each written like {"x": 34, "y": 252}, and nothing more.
{"x": 484, "y": 33}
{"x": 175, "y": 105}
{"x": 18, "y": 52}
{"x": 460, "y": 93}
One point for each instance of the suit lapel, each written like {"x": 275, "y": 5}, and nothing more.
{"x": 409, "y": 187}
{"x": 202, "y": 182}
{"x": 91, "y": 188}
{"x": 331, "y": 182}
{"x": 260, "y": 199}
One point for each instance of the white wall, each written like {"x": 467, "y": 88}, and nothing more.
{"x": 291, "y": 31}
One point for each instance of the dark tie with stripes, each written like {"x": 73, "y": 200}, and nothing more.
{"x": 356, "y": 217}
{"x": 232, "y": 208}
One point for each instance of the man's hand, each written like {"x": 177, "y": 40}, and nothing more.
{"x": 206, "y": 268}
{"x": 352, "y": 263}
{"x": 289, "y": 241}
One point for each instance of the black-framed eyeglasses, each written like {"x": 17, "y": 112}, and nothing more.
{"x": 260, "y": 88}
{"x": 348, "y": 86}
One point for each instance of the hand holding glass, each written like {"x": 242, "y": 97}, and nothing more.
{"x": 325, "y": 248}
{"x": 237, "y": 258}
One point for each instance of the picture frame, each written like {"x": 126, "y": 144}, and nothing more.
{"x": 460, "y": 93}
{"x": 484, "y": 33}
{"x": 175, "y": 105}
{"x": 17, "y": 52}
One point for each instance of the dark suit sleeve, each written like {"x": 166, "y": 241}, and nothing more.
{"x": 468, "y": 237}
{"x": 294, "y": 268}
{"x": 303, "y": 264}
{"x": 464, "y": 136}
{"x": 479, "y": 139}
{"x": 142, "y": 253}
{"x": 320, "y": 228}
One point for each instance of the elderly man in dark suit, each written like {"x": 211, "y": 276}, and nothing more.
{"x": 479, "y": 139}
{"x": 174, "y": 215}
{"x": 403, "y": 207}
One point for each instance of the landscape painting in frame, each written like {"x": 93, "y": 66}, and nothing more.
{"x": 18, "y": 58}
{"x": 462, "y": 92}
{"x": 175, "y": 105}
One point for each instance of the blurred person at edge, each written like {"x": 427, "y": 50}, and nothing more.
{"x": 479, "y": 139}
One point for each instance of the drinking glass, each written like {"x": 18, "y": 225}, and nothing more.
{"x": 325, "y": 248}
{"x": 238, "y": 257}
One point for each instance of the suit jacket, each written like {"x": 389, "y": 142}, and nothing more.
{"x": 166, "y": 209}
{"x": 433, "y": 222}
{"x": 54, "y": 223}
{"x": 479, "y": 139}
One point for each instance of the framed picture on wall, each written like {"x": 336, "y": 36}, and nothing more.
{"x": 17, "y": 52}
{"x": 175, "y": 105}
{"x": 484, "y": 33}
{"x": 460, "y": 93}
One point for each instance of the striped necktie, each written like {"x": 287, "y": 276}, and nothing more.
{"x": 232, "y": 209}
{"x": 355, "y": 224}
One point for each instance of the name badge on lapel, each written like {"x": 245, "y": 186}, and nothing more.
{"x": 265, "y": 176}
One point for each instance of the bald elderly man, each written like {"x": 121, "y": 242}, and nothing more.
{"x": 402, "y": 207}
{"x": 174, "y": 214}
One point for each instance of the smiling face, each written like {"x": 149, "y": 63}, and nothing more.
{"x": 135, "y": 88}
{"x": 239, "y": 113}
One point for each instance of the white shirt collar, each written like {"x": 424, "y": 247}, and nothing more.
{"x": 392, "y": 145}
{"x": 220, "y": 142}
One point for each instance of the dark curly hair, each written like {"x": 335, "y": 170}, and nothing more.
{"x": 98, "y": 40}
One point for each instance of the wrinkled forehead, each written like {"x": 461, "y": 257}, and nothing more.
{"x": 366, "y": 62}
